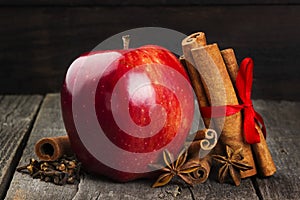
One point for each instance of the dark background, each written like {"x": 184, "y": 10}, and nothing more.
{"x": 39, "y": 39}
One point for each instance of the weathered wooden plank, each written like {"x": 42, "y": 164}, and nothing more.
{"x": 214, "y": 190}
{"x": 49, "y": 123}
{"x": 143, "y": 2}
{"x": 92, "y": 187}
{"x": 17, "y": 114}
{"x": 52, "y": 37}
{"x": 283, "y": 123}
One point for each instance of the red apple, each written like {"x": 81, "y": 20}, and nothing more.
{"x": 122, "y": 108}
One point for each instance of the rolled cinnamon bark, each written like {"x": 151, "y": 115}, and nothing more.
{"x": 201, "y": 175}
{"x": 193, "y": 41}
{"x": 200, "y": 38}
{"x": 263, "y": 157}
{"x": 204, "y": 140}
{"x": 200, "y": 135}
{"x": 53, "y": 148}
{"x": 231, "y": 64}
{"x": 210, "y": 64}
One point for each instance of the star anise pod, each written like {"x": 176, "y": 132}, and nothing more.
{"x": 181, "y": 168}
{"x": 232, "y": 164}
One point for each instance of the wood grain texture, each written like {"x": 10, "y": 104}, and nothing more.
{"x": 92, "y": 187}
{"x": 143, "y": 2}
{"x": 48, "y": 123}
{"x": 17, "y": 114}
{"x": 282, "y": 120}
{"x": 39, "y": 43}
{"x": 214, "y": 190}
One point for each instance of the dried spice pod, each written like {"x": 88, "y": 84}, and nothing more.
{"x": 32, "y": 168}
{"x": 210, "y": 64}
{"x": 188, "y": 166}
{"x": 60, "y": 172}
{"x": 231, "y": 165}
{"x": 263, "y": 157}
{"x": 180, "y": 167}
{"x": 53, "y": 148}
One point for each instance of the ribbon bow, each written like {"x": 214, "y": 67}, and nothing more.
{"x": 244, "y": 81}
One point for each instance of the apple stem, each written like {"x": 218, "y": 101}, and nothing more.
{"x": 126, "y": 40}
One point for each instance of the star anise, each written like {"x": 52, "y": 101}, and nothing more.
{"x": 181, "y": 168}
{"x": 232, "y": 163}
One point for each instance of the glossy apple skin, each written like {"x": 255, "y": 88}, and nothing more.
{"x": 91, "y": 81}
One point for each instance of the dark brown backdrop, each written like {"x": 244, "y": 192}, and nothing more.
{"x": 39, "y": 39}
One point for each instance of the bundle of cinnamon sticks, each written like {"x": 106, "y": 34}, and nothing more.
{"x": 213, "y": 75}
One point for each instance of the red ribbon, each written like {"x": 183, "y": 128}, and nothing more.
{"x": 244, "y": 81}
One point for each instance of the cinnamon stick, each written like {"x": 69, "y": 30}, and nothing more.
{"x": 263, "y": 157}
{"x": 210, "y": 64}
{"x": 201, "y": 175}
{"x": 231, "y": 64}
{"x": 193, "y": 41}
{"x": 53, "y": 148}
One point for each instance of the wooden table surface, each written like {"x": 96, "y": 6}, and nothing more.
{"x": 25, "y": 119}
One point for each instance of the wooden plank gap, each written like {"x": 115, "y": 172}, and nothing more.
{"x": 48, "y": 123}
{"x": 192, "y": 193}
{"x": 16, "y": 158}
{"x": 256, "y": 187}
{"x": 17, "y": 115}
{"x": 282, "y": 121}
